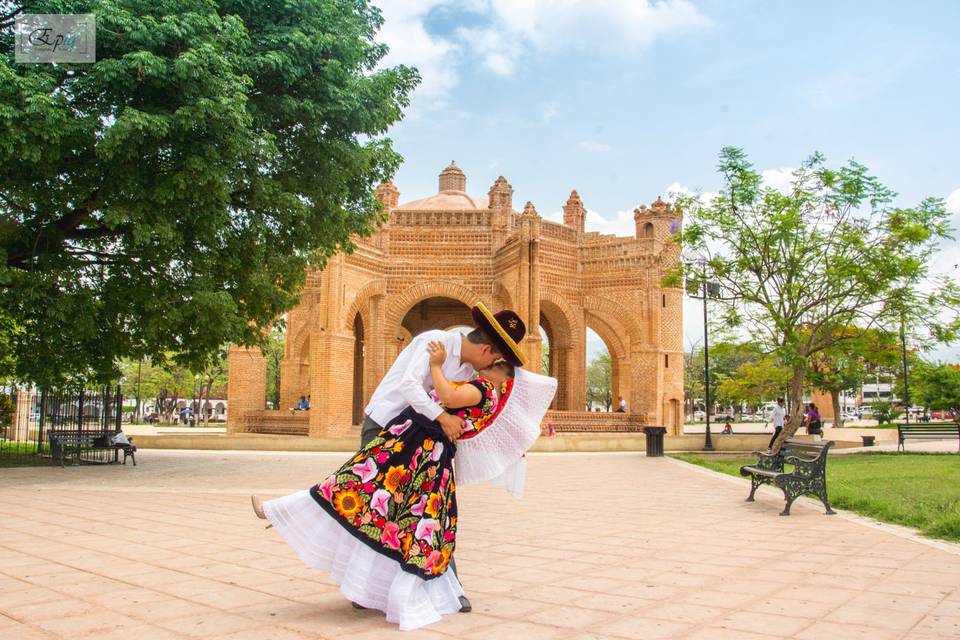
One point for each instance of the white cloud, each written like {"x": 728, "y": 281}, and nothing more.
{"x": 510, "y": 29}
{"x": 594, "y": 147}
{"x": 621, "y": 224}
{"x": 953, "y": 202}
{"x": 410, "y": 44}
{"x": 519, "y": 26}
{"x": 779, "y": 179}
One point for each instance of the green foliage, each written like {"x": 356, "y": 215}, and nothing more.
{"x": 935, "y": 386}
{"x": 273, "y": 354}
{"x": 832, "y": 252}
{"x": 167, "y": 199}
{"x": 884, "y": 411}
{"x": 755, "y": 381}
{"x": 911, "y": 489}
{"x": 599, "y": 377}
{"x": 7, "y": 411}
{"x": 545, "y": 358}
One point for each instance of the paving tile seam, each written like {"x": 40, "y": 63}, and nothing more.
{"x": 896, "y": 530}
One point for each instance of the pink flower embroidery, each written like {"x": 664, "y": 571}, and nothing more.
{"x": 417, "y": 509}
{"x": 416, "y": 458}
{"x": 431, "y": 560}
{"x": 367, "y": 470}
{"x": 326, "y": 487}
{"x": 437, "y": 451}
{"x": 448, "y": 536}
{"x": 443, "y": 479}
{"x": 397, "y": 429}
{"x": 380, "y": 501}
{"x": 389, "y": 535}
{"x": 425, "y": 529}
{"x": 383, "y": 456}
{"x": 369, "y": 487}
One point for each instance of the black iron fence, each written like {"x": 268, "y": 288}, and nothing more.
{"x": 86, "y": 411}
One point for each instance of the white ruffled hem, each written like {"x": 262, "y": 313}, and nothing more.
{"x": 365, "y": 576}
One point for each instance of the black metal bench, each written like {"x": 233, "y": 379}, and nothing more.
{"x": 928, "y": 431}
{"x": 809, "y": 475}
{"x": 67, "y": 440}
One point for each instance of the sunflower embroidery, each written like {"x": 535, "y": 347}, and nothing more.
{"x": 347, "y": 503}
{"x": 393, "y": 478}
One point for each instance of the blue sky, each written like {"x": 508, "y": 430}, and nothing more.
{"x": 625, "y": 100}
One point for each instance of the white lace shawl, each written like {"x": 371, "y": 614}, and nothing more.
{"x": 496, "y": 453}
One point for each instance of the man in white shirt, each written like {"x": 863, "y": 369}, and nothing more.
{"x": 777, "y": 418}
{"x": 408, "y": 382}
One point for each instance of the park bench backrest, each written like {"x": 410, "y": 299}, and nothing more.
{"x": 929, "y": 429}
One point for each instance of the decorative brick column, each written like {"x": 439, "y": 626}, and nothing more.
{"x": 331, "y": 385}
{"x": 246, "y": 385}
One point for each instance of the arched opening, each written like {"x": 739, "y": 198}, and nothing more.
{"x": 436, "y": 313}
{"x": 358, "y": 354}
{"x": 556, "y": 333}
{"x": 601, "y": 392}
{"x": 648, "y": 230}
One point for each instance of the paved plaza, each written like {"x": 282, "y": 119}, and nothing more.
{"x": 602, "y": 546}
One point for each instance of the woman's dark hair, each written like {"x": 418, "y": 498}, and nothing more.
{"x": 507, "y": 368}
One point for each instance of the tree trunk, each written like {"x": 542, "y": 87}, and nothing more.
{"x": 837, "y": 415}
{"x": 796, "y": 407}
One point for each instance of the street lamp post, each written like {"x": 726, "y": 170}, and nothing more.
{"x": 709, "y": 289}
{"x": 707, "y": 439}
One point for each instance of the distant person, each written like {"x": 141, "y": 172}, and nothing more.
{"x": 621, "y": 405}
{"x": 812, "y": 420}
{"x": 777, "y": 417}
{"x": 727, "y": 429}
{"x": 302, "y": 405}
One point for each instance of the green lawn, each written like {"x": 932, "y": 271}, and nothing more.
{"x": 919, "y": 490}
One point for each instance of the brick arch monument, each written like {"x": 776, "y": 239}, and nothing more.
{"x": 437, "y": 256}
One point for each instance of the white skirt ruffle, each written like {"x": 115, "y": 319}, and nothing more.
{"x": 365, "y": 576}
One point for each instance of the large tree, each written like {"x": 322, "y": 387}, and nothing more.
{"x": 169, "y": 197}
{"x": 832, "y": 251}
{"x": 846, "y": 364}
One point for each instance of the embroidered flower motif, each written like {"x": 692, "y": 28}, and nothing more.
{"x": 393, "y": 478}
{"x": 367, "y": 470}
{"x": 434, "y": 504}
{"x": 441, "y": 565}
{"x": 398, "y": 429}
{"x": 326, "y": 487}
{"x": 380, "y": 502}
{"x": 383, "y": 456}
{"x": 431, "y": 561}
{"x": 415, "y": 459}
{"x": 443, "y": 479}
{"x": 347, "y": 503}
{"x": 437, "y": 452}
{"x": 448, "y": 536}
{"x": 427, "y": 444}
{"x": 397, "y": 448}
{"x": 389, "y": 535}
{"x": 425, "y": 529}
{"x": 418, "y": 508}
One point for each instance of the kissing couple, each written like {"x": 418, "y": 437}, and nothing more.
{"x": 384, "y": 525}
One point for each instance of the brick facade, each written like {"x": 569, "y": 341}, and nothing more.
{"x": 436, "y": 257}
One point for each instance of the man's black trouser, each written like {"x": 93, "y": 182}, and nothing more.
{"x": 368, "y": 432}
{"x": 776, "y": 432}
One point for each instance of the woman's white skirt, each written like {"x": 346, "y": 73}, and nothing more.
{"x": 365, "y": 576}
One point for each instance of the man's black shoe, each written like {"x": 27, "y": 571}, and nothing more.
{"x": 465, "y": 606}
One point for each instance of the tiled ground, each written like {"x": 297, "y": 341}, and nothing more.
{"x": 603, "y": 546}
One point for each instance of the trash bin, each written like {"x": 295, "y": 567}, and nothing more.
{"x": 654, "y": 441}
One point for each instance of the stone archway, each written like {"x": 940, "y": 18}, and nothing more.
{"x": 401, "y": 305}
{"x": 565, "y": 337}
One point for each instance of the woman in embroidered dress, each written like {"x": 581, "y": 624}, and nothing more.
{"x": 384, "y": 524}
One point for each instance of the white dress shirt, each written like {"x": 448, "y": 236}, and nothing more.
{"x": 408, "y": 381}
{"x": 779, "y": 413}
